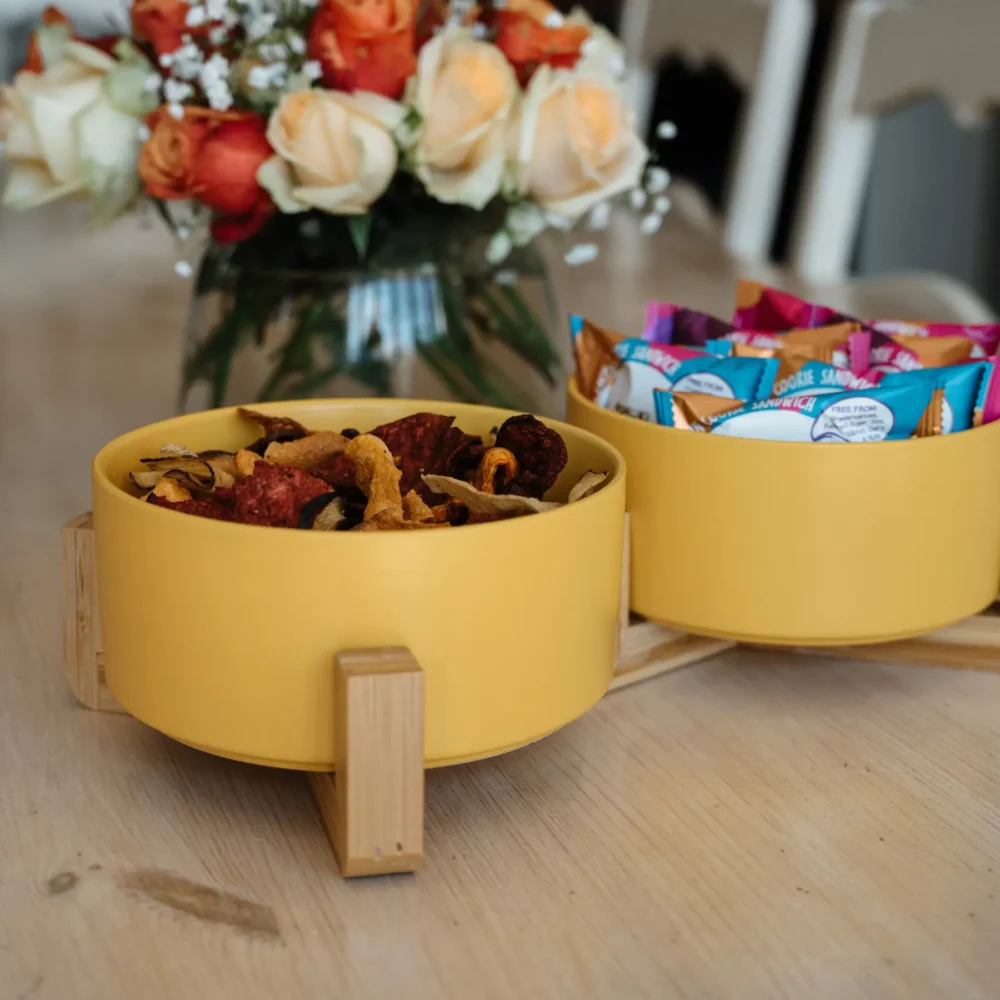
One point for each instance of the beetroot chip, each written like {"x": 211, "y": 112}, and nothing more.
{"x": 540, "y": 452}
{"x": 274, "y": 495}
{"x": 200, "y": 508}
{"x": 428, "y": 444}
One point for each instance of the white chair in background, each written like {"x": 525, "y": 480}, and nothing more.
{"x": 884, "y": 55}
{"x": 765, "y": 45}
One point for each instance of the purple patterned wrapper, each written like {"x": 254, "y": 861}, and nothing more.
{"x": 670, "y": 324}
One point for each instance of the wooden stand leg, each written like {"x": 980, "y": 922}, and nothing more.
{"x": 373, "y": 808}
{"x": 83, "y": 658}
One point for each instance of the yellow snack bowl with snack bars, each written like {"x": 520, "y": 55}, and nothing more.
{"x": 223, "y": 636}
{"x": 806, "y": 544}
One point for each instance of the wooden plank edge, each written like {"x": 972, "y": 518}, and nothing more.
{"x": 83, "y": 659}
{"x": 660, "y": 651}
{"x": 916, "y": 652}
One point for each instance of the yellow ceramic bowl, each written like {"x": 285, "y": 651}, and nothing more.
{"x": 223, "y": 635}
{"x": 807, "y": 544}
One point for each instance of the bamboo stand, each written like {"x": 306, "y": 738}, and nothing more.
{"x": 373, "y": 808}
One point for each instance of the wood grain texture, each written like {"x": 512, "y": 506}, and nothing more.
{"x": 82, "y": 649}
{"x": 762, "y": 826}
{"x": 373, "y": 808}
{"x": 970, "y": 645}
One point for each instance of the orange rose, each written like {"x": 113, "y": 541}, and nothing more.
{"x": 169, "y": 158}
{"x": 224, "y": 177}
{"x": 532, "y": 33}
{"x": 161, "y": 23}
{"x": 365, "y": 44}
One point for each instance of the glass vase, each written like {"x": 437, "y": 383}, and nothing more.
{"x": 442, "y": 328}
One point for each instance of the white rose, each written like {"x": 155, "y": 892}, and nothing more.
{"x": 602, "y": 52}
{"x": 574, "y": 144}
{"x": 75, "y": 128}
{"x": 334, "y": 151}
{"x": 464, "y": 91}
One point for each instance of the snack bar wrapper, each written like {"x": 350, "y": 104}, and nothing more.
{"x": 865, "y": 416}
{"x": 901, "y": 353}
{"x": 988, "y": 401}
{"x": 647, "y": 367}
{"x": 759, "y": 307}
{"x": 985, "y": 337}
{"x": 670, "y": 324}
{"x": 960, "y": 388}
{"x": 816, "y": 378}
{"x": 830, "y": 344}
{"x": 690, "y": 410}
{"x": 597, "y": 364}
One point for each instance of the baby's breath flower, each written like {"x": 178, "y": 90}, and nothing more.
{"x": 581, "y": 253}
{"x": 600, "y": 216}
{"x": 666, "y": 130}
{"x": 651, "y": 224}
{"x": 657, "y": 180}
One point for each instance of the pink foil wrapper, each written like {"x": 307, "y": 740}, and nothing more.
{"x": 671, "y": 324}
{"x": 986, "y": 336}
{"x": 762, "y": 308}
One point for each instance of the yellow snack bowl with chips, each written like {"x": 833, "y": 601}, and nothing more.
{"x": 223, "y": 635}
{"x": 806, "y": 544}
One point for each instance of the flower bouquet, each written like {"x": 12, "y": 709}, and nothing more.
{"x": 363, "y": 182}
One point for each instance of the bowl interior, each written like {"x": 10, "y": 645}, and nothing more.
{"x": 226, "y": 430}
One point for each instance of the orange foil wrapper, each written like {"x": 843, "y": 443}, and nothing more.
{"x": 932, "y": 422}
{"x": 937, "y": 352}
{"x": 594, "y": 352}
{"x": 695, "y": 409}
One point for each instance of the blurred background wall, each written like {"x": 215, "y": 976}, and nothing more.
{"x": 934, "y": 198}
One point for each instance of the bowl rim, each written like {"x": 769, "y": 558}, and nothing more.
{"x": 762, "y": 444}
{"x": 102, "y": 480}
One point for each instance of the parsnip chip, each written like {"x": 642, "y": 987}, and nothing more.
{"x": 192, "y": 473}
{"x": 274, "y": 427}
{"x": 323, "y": 513}
{"x": 488, "y": 503}
{"x": 176, "y": 451}
{"x": 495, "y": 460}
{"x": 308, "y": 452}
{"x": 414, "y": 508}
{"x": 388, "y": 521}
{"x": 376, "y": 475}
{"x": 590, "y": 482}
{"x": 170, "y": 490}
{"x": 224, "y": 464}
{"x": 245, "y": 461}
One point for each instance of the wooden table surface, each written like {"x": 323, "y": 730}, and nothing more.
{"x": 759, "y": 826}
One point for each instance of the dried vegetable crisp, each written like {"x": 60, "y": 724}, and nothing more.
{"x": 418, "y": 473}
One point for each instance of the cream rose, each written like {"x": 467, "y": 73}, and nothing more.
{"x": 464, "y": 91}
{"x": 334, "y": 151}
{"x": 602, "y": 52}
{"x": 74, "y": 128}
{"x": 574, "y": 144}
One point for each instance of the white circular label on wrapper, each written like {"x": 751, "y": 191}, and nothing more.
{"x": 947, "y": 418}
{"x": 768, "y": 425}
{"x": 707, "y": 383}
{"x": 858, "y": 420}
